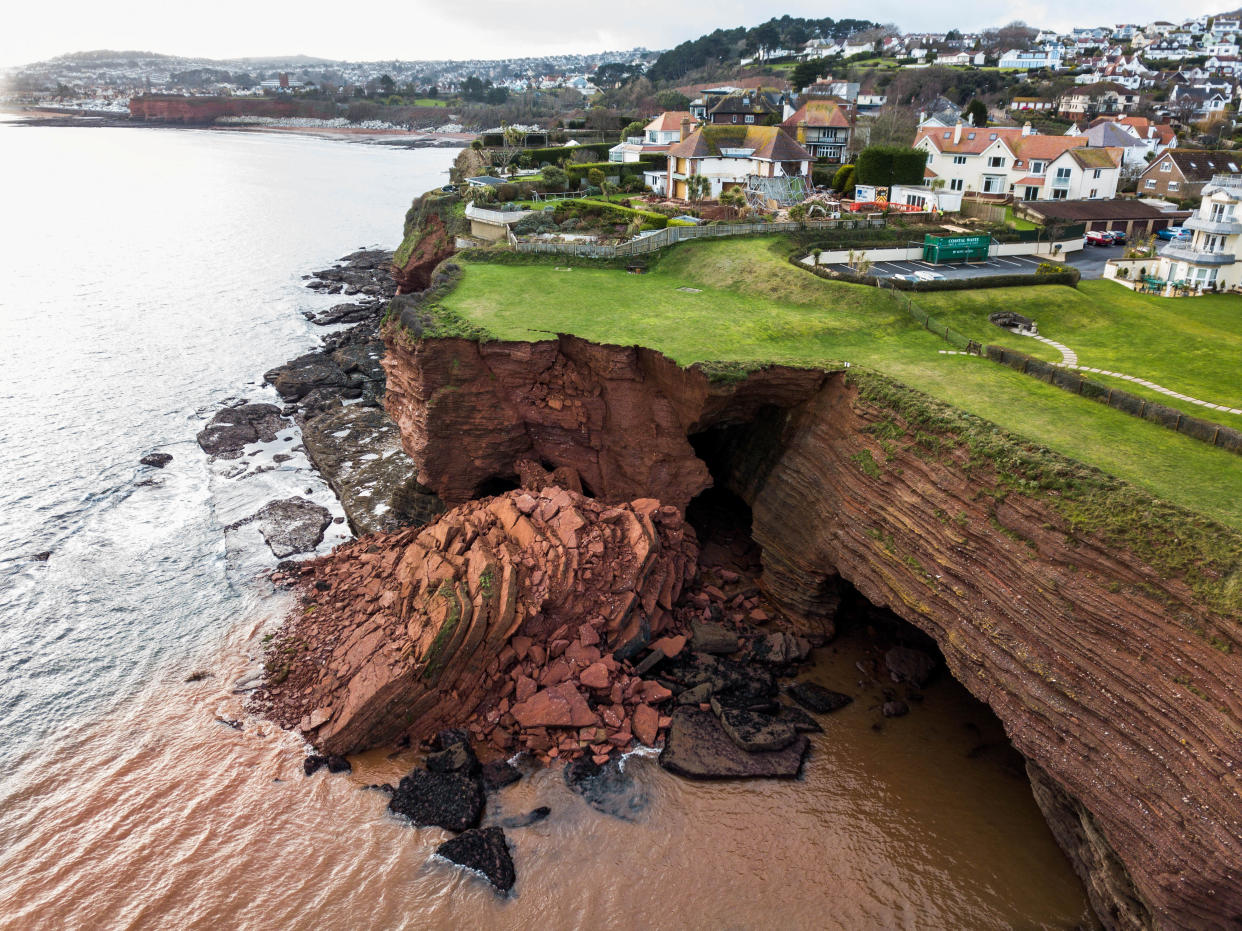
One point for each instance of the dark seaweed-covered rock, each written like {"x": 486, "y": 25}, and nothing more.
{"x": 906, "y": 664}
{"x": 814, "y": 697}
{"x": 607, "y": 788}
{"x": 292, "y": 525}
{"x": 338, "y": 764}
{"x": 299, "y": 377}
{"x": 312, "y": 763}
{"x": 484, "y": 850}
{"x": 756, "y": 733}
{"x": 457, "y": 758}
{"x": 156, "y": 460}
{"x": 498, "y": 774}
{"x": 446, "y": 800}
{"x": 780, "y": 649}
{"x": 233, "y": 428}
{"x": 697, "y": 747}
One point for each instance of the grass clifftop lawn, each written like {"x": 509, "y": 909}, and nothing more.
{"x": 740, "y": 301}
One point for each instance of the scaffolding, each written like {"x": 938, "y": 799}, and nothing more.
{"x": 785, "y": 191}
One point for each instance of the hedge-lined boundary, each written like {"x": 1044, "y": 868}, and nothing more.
{"x": 1205, "y": 431}
{"x": 650, "y": 219}
{"x": 575, "y": 173}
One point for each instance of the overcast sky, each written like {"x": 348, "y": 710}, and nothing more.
{"x": 484, "y": 28}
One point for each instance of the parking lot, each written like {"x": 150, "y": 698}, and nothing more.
{"x": 1089, "y": 261}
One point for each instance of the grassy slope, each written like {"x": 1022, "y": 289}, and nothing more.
{"x": 754, "y": 306}
{"x": 1188, "y": 345}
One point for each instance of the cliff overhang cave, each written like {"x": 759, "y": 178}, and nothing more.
{"x": 1100, "y": 625}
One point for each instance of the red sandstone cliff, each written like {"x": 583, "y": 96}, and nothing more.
{"x": 1115, "y": 679}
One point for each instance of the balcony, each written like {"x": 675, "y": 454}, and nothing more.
{"x": 1219, "y": 227}
{"x": 1185, "y": 253}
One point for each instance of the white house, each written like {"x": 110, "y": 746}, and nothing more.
{"x": 1213, "y": 257}
{"x": 730, "y": 156}
{"x": 1026, "y": 164}
{"x": 1026, "y": 60}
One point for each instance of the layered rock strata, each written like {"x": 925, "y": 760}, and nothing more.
{"x": 501, "y": 615}
{"x": 1115, "y": 678}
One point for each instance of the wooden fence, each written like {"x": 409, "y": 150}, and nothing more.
{"x": 662, "y": 239}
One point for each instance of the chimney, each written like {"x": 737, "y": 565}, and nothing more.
{"x": 1026, "y": 128}
{"x": 801, "y": 132}
{"x": 685, "y": 128}
{"x": 957, "y": 132}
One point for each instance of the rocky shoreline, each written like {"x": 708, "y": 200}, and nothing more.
{"x": 334, "y": 395}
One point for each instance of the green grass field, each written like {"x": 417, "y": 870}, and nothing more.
{"x": 750, "y": 305}
{"x": 1191, "y": 345}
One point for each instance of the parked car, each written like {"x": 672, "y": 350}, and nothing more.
{"x": 1173, "y": 232}
{"x": 1098, "y": 238}
{"x": 928, "y": 276}
{"x": 1118, "y": 237}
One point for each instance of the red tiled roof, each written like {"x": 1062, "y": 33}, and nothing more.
{"x": 767, "y": 142}
{"x": 670, "y": 120}
{"x": 818, "y": 113}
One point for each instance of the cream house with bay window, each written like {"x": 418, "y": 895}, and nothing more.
{"x": 1008, "y": 160}
{"x": 1212, "y": 258}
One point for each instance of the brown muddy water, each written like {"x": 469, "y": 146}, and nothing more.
{"x": 164, "y": 817}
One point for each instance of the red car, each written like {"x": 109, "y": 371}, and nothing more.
{"x": 1098, "y": 238}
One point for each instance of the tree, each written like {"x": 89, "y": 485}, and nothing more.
{"x": 595, "y": 178}
{"x": 672, "y": 100}
{"x": 894, "y": 125}
{"x": 843, "y": 180}
{"x": 633, "y": 129}
{"x": 806, "y": 73}
{"x": 386, "y": 84}
{"x": 555, "y": 178}
{"x": 976, "y": 113}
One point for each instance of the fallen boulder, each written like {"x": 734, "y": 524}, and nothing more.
{"x": 906, "y": 664}
{"x": 697, "y": 747}
{"x": 814, "y": 697}
{"x": 292, "y": 525}
{"x": 484, "y": 850}
{"x": 233, "y": 428}
{"x": 446, "y": 800}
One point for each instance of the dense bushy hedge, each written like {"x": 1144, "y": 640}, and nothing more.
{"x": 623, "y": 170}
{"x": 887, "y": 165}
{"x": 554, "y": 154}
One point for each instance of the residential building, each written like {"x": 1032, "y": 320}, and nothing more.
{"x": 1213, "y": 256}
{"x": 1093, "y": 99}
{"x": 667, "y": 128}
{"x": 1032, "y": 103}
{"x": 1180, "y": 174}
{"x": 823, "y": 127}
{"x": 1105, "y": 134}
{"x": 1047, "y": 57}
{"x": 748, "y": 106}
{"x": 1156, "y": 137}
{"x": 730, "y": 156}
{"x": 1011, "y": 161}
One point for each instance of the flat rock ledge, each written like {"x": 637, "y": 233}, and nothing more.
{"x": 698, "y": 748}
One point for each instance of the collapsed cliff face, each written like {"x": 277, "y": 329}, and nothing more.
{"x": 500, "y": 616}
{"x": 620, "y": 417}
{"x": 1114, "y": 678}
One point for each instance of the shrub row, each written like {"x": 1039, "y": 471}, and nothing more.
{"x": 614, "y": 213}
{"x": 1170, "y": 417}
{"x": 623, "y": 170}
{"x": 554, "y": 154}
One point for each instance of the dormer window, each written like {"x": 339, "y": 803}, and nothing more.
{"x": 992, "y": 136}
{"x": 970, "y": 135}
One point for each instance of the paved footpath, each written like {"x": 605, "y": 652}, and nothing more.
{"x": 1069, "y": 359}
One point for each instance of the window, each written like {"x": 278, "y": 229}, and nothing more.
{"x": 970, "y": 135}
{"x": 959, "y": 159}
{"x": 992, "y": 136}
{"x": 1063, "y": 175}
{"x": 1096, "y": 173}
{"x": 1094, "y": 194}
{"x": 1166, "y": 165}
{"x": 955, "y": 184}
{"x": 1172, "y": 185}
{"x": 750, "y": 117}
{"x": 1151, "y": 182}
{"x": 996, "y": 161}
{"x": 1038, "y": 168}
